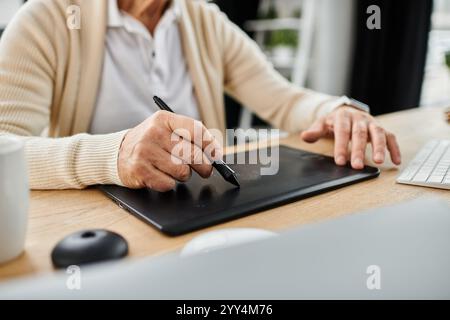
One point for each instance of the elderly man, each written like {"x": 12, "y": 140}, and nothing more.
{"x": 81, "y": 98}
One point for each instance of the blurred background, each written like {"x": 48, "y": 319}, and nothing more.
{"x": 325, "y": 45}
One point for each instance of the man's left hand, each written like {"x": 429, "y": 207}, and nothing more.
{"x": 347, "y": 125}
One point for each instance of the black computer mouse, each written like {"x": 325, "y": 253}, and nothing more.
{"x": 89, "y": 246}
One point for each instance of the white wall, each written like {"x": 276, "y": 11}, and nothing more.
{"x": 329, "y": 70}
{"x": 442, "y": 5}
{"x": 7, "y": 10}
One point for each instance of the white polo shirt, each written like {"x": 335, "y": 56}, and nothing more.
{"x": 138, "y": 66}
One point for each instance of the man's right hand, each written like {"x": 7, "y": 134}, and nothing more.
{"x": 146, "y": 157}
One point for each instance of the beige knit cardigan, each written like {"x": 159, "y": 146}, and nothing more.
{"x": 50, "y": 74}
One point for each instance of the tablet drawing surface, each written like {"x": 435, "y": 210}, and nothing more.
{"x": 204, "y": 202}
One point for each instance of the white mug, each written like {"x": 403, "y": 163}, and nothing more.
{"x": 14, "y": 196}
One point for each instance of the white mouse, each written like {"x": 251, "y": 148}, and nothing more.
{"x": 224, "y": 238}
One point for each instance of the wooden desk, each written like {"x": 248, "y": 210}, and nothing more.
{"x": 55, "y": 214}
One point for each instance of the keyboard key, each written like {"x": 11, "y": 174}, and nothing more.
{"x": 435, "y": 179}
{"x": 421, "y": 178}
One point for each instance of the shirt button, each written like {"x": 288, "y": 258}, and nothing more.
{"x": 153, "y": 54}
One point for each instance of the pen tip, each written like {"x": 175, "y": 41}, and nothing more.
{"x": 234, "y": 180}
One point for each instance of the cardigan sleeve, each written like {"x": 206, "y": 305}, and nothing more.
{"x": 27, "y": 70}
{"x": 251, "y": 79}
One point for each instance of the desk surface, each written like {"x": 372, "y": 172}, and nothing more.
{"x": 55, "y": 214}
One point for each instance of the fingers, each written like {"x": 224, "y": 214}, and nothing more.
{"x": 152, "y": 168}
{"x": 364, "y": 129}
{"x": 378, "y": 138}
{"x": 158, "y": 180}
{"x": 359, "y": 142}
{"x": 202, "y": 166}
{"x": 188, "y": 128}
{"x": 139, "y": 172}
{"x": 183, "y": 151}
{"x": 393, "y": 148}
{"x": 342, "y": 132}
{"x": 349, "y": 124}
{"x": 147, "y": 155}
{"x": 315, "y": 132}
{"x": 162, "y": 161}
{"x": 382, "y": 140}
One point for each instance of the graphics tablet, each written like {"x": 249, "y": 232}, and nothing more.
{"x": 200, "y": 203}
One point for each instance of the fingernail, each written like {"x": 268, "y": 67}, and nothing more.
{"x": 379, "y": 157}
{"x": 358, "y": 162}
{"x": 341, "y": 160}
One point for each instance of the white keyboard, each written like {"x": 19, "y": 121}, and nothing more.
{"x": 430, "y": 167}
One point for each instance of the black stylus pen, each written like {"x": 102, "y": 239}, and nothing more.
{"x": 225, "y": 171}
